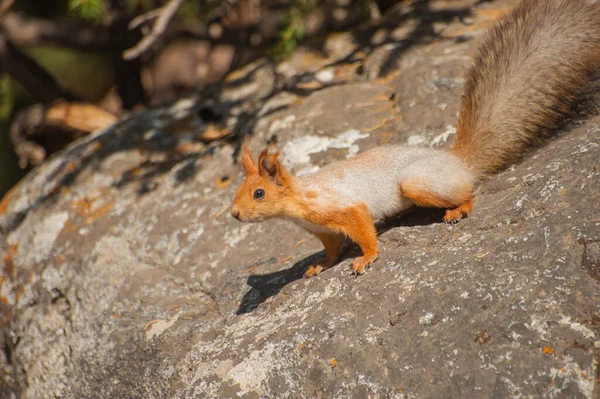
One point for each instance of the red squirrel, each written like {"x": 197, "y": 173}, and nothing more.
{"x": 529, "y": 69}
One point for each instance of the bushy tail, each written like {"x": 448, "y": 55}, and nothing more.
{"x": 530, "y": 68}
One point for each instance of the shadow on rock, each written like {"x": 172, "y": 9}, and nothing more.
{"x": 267, "y": 285}
{"x": 264, "y": 286}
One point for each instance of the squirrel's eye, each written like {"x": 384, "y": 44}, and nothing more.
{"x": 259, "y": 194}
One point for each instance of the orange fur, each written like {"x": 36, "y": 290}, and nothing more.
{"x": 247, "y": 161}
{"x": 268, "y": 175}
{"x": 354, "y": 222}
{"x": 424, "y": 198}
{"x": 282, "y": 200}
{"x": 333, "y": 244}
{"x": 528, "y": 71}
{"x": 454, "y": 215}
{"x": 459, "y": 204}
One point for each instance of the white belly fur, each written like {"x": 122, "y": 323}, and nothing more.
{"x": 310, "y": 227}
{"x": 374, "y": 178}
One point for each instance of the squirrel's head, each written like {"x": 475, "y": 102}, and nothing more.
{"x": 266, "y": 189}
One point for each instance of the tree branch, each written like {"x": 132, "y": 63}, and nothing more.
{"x": 160, "y": 25}
{"x": 42, "y": 129}
{"x": 24, "y": 31}
{"x": 34, "y": 78}
{"x": 5, "y": 6}
{"x": 143, "y": 18}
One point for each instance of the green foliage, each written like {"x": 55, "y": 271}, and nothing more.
{"x": 6, "y": 97}
{"x": 86, "y": 74}
{"x": 364, "y": 8}
{"x": 92, "y": 10}
{"x": 189, "y": 10}
{"x": 9, "y": 170}
{"x": 293, "y": 29}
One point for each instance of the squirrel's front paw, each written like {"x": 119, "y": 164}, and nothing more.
{"x": 360, "y": 264}
{"x": 313, "y": 270}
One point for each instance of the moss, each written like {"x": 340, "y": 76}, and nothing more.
{"x": 92, "y": 10}
{"x": 292, "y": 31}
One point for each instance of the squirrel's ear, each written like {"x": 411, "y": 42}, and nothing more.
{"x": 247, "y": 162}
{"x": 269, "y": 166}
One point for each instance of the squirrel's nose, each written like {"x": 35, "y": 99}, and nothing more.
{"x": 235, "y": 213}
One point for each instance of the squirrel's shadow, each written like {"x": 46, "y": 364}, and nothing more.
{"x": 264, "y": 286}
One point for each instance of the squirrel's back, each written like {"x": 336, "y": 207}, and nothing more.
{"x": 529, "y": 69}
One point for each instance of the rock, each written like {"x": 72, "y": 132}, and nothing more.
{"x": 125, "y": 276}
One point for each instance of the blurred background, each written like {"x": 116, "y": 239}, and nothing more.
{"x": 69, "y": 67}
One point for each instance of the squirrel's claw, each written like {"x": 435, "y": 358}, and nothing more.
{"x": 360, "y": 264}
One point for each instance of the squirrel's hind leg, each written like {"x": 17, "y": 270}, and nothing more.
{"x": 458, "y": 201}
{"x": 454, "y": 215}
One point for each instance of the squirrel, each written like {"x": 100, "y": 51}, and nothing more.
{"x": 531, "y": 65}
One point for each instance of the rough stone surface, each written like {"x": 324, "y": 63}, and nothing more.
{"x": 124, "y": 275}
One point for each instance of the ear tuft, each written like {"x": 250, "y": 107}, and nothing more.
{"x": 268, "y": 164}
{"x": 247, "y": 162}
